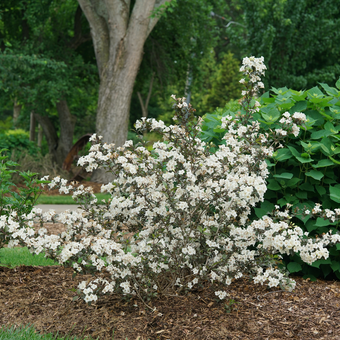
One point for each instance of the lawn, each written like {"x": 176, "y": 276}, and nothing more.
{"x": 65, "y": 199}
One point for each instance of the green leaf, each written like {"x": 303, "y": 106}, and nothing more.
{"x": 335, "y": 265}
{"x": 284, "y": 175}
{"x": 310, "y": 276}
{"x": 338, "y": 246}
{"x": 317, "y": 263}
{"x": 330, "y": 90}
{"x": 334, "y": 160}
{"x": 302, "y": 195}
{"x": 307, "y": 187}
{"x": 334, "y": 194}
{"x": 315, "y": 93}
{"x": 323, "y": 163}
{"x": 282, "y": 154}
{"x": 294, "y": 267}
{"x": 297, "y": 155}
{"x": 299, "y": 107}
{"x": 337, "y": 84}
{"x": 310, "y": 226}
{"x": 273, "y": 185}
{"x": 292, "y": 182}
{"x": 320, "y": 222}
{"x": 320, "y": 134}
{"x": 315, "y": 174}
{"x": 282, "y": 202}
{"x": 321, "y": 190}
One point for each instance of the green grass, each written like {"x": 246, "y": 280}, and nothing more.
{"x": 29, "y": 333}
{"x": 13, "y": 257}
{"x": 63, "y": 199}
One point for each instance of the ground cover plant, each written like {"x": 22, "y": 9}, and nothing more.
{"x": 177, "y": 222}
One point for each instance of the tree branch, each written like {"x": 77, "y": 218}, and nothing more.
{"x": 99, "y": 32}
{"x": 145, "y": 106}
{"x": 78, "y": 37}
{"x": 154, "y": 20}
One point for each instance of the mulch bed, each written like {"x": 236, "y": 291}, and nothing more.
{"x": 42, "y": 296}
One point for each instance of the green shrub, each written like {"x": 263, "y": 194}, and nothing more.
{"x": 306, "y": 169}
{"x": 11, "y": 201}
{"x": 17, "y": 140}
{"x": 37, "y": 163}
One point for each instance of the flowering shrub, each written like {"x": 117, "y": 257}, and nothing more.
{"x": 178, "y": 215}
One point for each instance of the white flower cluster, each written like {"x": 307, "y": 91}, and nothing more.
{"x": 253, "y": 68}
{"x": 177, "y": 215}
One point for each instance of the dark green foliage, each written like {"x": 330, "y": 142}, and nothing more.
{"x": 17, "y": 140}
{"x": 299, "y": 40}
{"x": 306, "y": 170}
{"x": 220, "y": 83}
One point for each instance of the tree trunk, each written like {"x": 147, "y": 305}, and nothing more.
{"x": 58, "y": 147}
{"x": 118, "y": 36}
{"x": 32, "y": 127}
{"x": 67, "y": 124}
{"x": 16, "y": 110}
{"x": 114, "y": 110}
{"x": 40, "y": 135}
{"x": 50, "y": 134}
{"x": 145, "y": 105}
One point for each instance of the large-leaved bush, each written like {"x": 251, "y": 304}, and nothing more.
{"x": 305, "y": 171}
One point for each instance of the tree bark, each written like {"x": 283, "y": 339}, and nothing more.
{"x": 50, "y": 134}
{"x": 118, "y": 39}
{"x": 58, "y": 147}
{"x": 40, "y": 135}
{"x": 32, "y": 127}
{"x": 16, "y": 110}
{"x": 67, "y": 124}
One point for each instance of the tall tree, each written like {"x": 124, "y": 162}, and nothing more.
{"x": 119, "y": 29}
{"x": 42, "y": 70}
{"x": 299, "y": 39}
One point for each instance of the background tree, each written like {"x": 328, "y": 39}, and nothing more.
{"x": 120, "y": 31}
{"x": 42, "y": 70}
{"x": 174, "y": 46}
{"x": 299, "y": 39}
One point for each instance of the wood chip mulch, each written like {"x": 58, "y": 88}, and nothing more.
{"x": 42, "y": 296}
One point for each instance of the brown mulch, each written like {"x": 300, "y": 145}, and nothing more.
{"x": 42, "y": 296}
